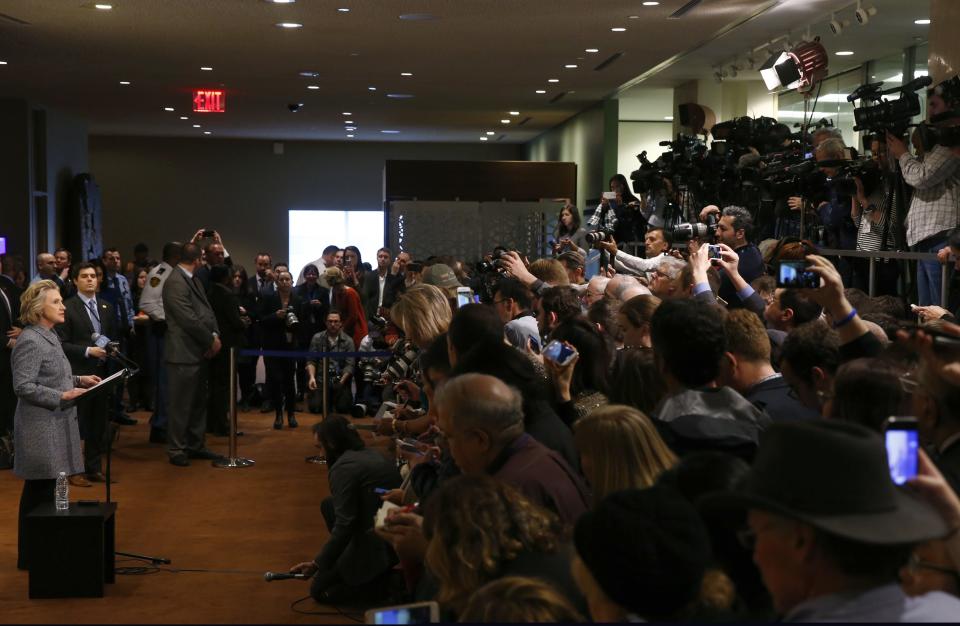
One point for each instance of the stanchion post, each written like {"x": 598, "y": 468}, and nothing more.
{"x": 326, "y": 365}
{"x": 873, "y": 277}
{"x": 232, "y": 459}
{"x": 944, "y": 285}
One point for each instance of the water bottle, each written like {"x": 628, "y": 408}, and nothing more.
{"x": 62, "y": 492}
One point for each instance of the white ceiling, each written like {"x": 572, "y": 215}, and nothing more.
{"x": 476, "y": 62}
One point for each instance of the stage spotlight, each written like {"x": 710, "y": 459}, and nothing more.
{"x": 801, "y": 68}
{"x": 864, "y": 14}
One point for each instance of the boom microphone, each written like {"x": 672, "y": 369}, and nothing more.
{"x": 272, "y": 576}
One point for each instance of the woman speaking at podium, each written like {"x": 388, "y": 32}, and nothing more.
{"x": 46, "y": 435}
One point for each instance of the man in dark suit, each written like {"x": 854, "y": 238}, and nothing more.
{"x": 9, "y": 312}
{"x": 375, "y": 284}
{"x": 262, "y": 285}
{"x": 85, "y": 315}
{"x": 233, "y": 334}
{"x": 192, "y": 339}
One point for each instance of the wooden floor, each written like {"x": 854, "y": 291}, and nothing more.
{"x": 243, "y": 522}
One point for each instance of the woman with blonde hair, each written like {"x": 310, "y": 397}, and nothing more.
{"x": 45, "y": 430}
{"x": 423, "y": 313}
{"x": 515, "y": 600}
{"x": 479, "y": 529}
{"x": 620, "y": 448}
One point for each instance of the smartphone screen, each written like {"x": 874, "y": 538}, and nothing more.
{"x": 794, "y": 274}
{"x": 557, "y": 352}
{"x": 464, "y": 296}
{"x": 902, "y": 443}
{"x": 412, "y": 614}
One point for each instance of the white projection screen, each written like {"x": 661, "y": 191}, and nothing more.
{"x": 310, "y": 231}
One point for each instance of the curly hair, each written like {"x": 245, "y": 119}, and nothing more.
{"x": 474, "y": 525}
{"x": 515, "y": 599}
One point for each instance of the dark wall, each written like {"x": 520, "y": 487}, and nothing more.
{"x": 480, "y": 181}
{"x": 160, "y": 189}
{"x": 15, "y": 175}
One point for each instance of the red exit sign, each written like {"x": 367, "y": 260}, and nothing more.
{"x": 209, "y": 101}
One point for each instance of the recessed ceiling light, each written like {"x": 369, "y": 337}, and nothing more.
{"x": 400, "y": 96}
{"x": 207, "y": 132}
{"x": 570, "y": 66}
{"x": 350, "y": 128}
{"x": 390, "y": 132}
{"x": 184, "y": 117}
{"x": 844, "y": 53}
{"x": 289, "y": 25}
{"x": 372, "y": 88}
{"x": 669, "y": 118}
{"x": 170, "y": 109}
{"x": 313, "y": 86}
{"x": 347, "y": 113}
{"x": 650, "y": 3}
{"x": 514, "y": 112}
{"x": 541, "y": 91}
{"x": 309, "y": 74}
{"x": 921, "y": 22}
{"x": 483, "y": 139}
{"x": 490, "y": 132}
{"x": 504, "y": 121}
{"x": 206, "y": 68}
{"x": 282, "y": 1}
{"x": 418, "y": 17}
{"x": 592, "y": 50}
{"x": 196, "y": 125}
{"x": 348, "y": 122}
{"x": 103, "y": 7}
{"x": 406, "y": 74}
{"x": 634, "y": 17}
{"x": 349, "y": 136}
{"x": 343, "y": 10}
{"x": 618, "y": 29}
{"x": 122, "y": 82}
{"x": 553, "y": 80}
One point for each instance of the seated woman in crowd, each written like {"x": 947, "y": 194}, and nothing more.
{"x": 479, "y": 529}
{"x": 582, "y": 385}
{"x": 620, "y": 448}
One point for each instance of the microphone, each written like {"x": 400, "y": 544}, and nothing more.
{"x": 864, "y": 90}
{"x": 102, "y": 341}
{"x": 271, "y": 576}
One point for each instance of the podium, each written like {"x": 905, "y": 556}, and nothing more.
{"x": 71, "y": 552}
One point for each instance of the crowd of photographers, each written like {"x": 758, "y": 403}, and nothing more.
{"x": 693, "y": 433}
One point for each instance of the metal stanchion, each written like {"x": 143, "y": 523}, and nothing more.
{"x": 944, "y": 285}
{"x": 232, "y": 460}
{"x": 873, "y": 277}
{"x": 326, "y": 365}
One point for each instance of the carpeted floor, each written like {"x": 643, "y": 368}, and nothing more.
{"x": 251, "y": 520}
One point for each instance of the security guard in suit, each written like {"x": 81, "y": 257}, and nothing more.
{"x": 151, "y": 303}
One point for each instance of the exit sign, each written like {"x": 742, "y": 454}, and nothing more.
{"x": 209, "y": 101}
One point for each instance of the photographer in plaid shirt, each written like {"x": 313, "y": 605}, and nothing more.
{"x": 935, "y": 207}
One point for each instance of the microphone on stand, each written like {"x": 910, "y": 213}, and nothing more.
{"x": 272, "y": 576}
{"x": 113, "y": 350}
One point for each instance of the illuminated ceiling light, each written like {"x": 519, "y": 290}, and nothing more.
{"x": 350, "y": 128}
{"x": 592, "y": 50}
{"x": 282, "y": 1}
{"x": 570, "y": 66}
{"x": 650, "y": 3}
{"x": 504, "y": 121}
{"x": 348, "y": 122}
{"x": 844, "y": 53}
{"x": 207, "y": 132}
{"x": 184, "y": 117}
{"x": 371, "y": 88}
{"x": 634, "y": 17}
{"x": 310, "y": 74}
{"x": 553, "y": 80}
{"x": 483, "y": 139}
{"x": 349, "y": 136}
{"x": 400, "y": 96}
{"x": 669, "y": 118}
{"x": 390, "y": 132}
{"x": 122, "y": 82}
{"x": 170, "y": 109}
{"x": 313, "y": 86}
{"x": 406, "y": 74}
{"x": 103, "y": 7}
{"x": 514, "y": 113}
{"x": 921, "y": 22}
{"x": 490, "y": 132}
{"x": 196, "y": 125}
{"x": 343, "y": 10}
{"x": 541, "y": 91}
{"x": 206, "y": 68}
{"x": 289, "y": 25}
{"x": 618, "y": 29}
{"x": 347, "y": 113}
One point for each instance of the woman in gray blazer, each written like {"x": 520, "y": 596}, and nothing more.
{"x": 45, "y": 431}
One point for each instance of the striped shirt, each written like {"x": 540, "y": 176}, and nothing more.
{"x": 935, "y": 206}
{"x": 870, "y": 234}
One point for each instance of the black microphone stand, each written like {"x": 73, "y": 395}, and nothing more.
{"x": 131, "y": 368}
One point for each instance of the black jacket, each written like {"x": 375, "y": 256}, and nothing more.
{"x": 76, "y": 330}
{"x": 226, "y": 308}
{"x": 773, "y": 396}
{"x": 273, "y": 329}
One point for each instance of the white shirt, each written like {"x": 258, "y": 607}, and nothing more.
{"x": 383, "y": 281}
{"x": 151, "y": 299}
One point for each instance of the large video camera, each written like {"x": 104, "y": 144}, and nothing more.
{"x": 680, "y": 164}
{"x": 686, "y": 231}
{"x": 891, "y": 116}
{"x": 865, "y": 169}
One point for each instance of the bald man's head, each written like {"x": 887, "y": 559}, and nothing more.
{"x": 479, "y": 415}
{"x": 46, "y": 264}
